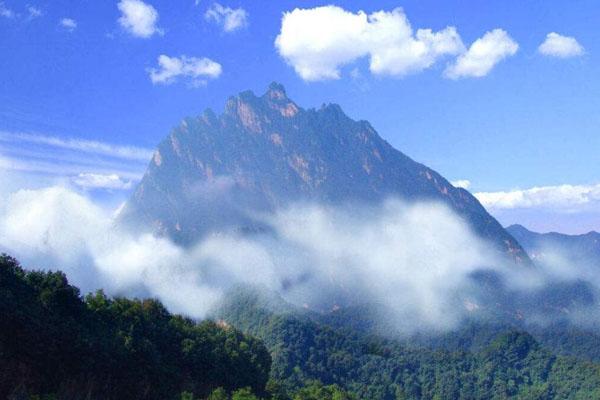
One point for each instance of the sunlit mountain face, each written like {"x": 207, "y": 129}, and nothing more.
{"x": 218, "y": 172}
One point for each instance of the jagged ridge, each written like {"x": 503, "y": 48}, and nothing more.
{"x": 265, "y": 152}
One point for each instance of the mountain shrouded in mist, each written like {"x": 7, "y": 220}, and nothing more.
{"x": 221, "y": 172}
{"x": 579, "y": 249}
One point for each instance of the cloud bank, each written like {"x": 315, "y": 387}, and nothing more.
{"x": 412, "y": 258}
{"x": 562, "y": 197}
{"x": 318, "y": 42}
{"x": 417, "y": 260}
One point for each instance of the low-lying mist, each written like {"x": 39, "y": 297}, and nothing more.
{"x": 419, "y": 260}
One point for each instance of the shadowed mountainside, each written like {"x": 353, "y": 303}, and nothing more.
{"x": 215, "y": 173}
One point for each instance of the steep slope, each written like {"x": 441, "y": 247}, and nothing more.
{"x": 213, "y": 172}
{"x": 583, "y": 248}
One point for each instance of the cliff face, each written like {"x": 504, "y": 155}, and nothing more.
{"x": 212, "y": 172}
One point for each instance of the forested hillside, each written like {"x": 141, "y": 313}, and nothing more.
{"x": 512, "y": 365}
{"x": 56, "y": 344}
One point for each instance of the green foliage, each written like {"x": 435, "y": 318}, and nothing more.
{"x": 56, "y": 345}
{"x": 511, "y": 366}
{"x": 53, "y": 342}
{"x": 315, "y": 390}
{"x": 218, "y": 394}
{"x": 243, "y": 394}
{"x": 187, "y": 396}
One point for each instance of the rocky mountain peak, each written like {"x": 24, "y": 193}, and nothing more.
{"x": 213, "y": 172}
{"x": 276, "y": 92}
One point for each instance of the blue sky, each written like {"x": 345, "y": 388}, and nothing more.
{"x": 76, "y": 88}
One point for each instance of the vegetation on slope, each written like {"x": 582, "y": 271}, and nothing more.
{"x": 54, "y": 343}
{"x": 513, "y": 365}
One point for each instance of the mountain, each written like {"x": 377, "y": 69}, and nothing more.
{"x": 264, "y": 152}
{"x": 583, "y": 248}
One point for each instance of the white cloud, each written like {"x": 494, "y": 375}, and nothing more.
{"x": 462, "y": 183}
{"x": 6, "y": 12}
{"x": 101, "y": 181}
{"x": 483, "y": 55}
{"x": 87, "y": 146}
{"x": 139, "y": 18}
{"x": 415, "y": 259}
{"x": 34, "y": 12}
{"x": 230, "y": 19}
{"x": 317, "y": 42}
{"x": 69, "y": 24}
{"x": 567, "y": 198}
{"x": 171, "y": 68}
{"x": 64, "y": 167}
{"x": 560, "y": 46}
{"x": 87, "y": 164}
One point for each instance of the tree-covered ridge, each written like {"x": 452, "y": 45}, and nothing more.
{"x": 513, "y": 365}
{"x": 56, "y": 344}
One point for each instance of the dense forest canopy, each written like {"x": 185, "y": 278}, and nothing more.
{"x": 511, "y": 365}
{"x": 56, "y": 344}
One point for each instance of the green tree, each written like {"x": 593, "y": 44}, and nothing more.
{"x": 218, "y": 394}
{"x": 243, "y": 394}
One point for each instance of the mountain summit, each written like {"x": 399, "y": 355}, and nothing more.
{"x": 264, "y": 152}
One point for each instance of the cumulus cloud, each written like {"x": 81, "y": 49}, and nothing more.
{"x": 229, "y": 19}
{"x": 462, "y": 183}
{"x": 6, "y": 12}
{"x": 69, "y": 24}
{"x": 560, "y": 46}
{"x": 483, "y": 55}
{"x": 561, "y": 197}
{"x": 197, "y": 69}
{"x": 101, "y": 181}
{"x": 138, "y": 18}
{"x": 318, "y": 42}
